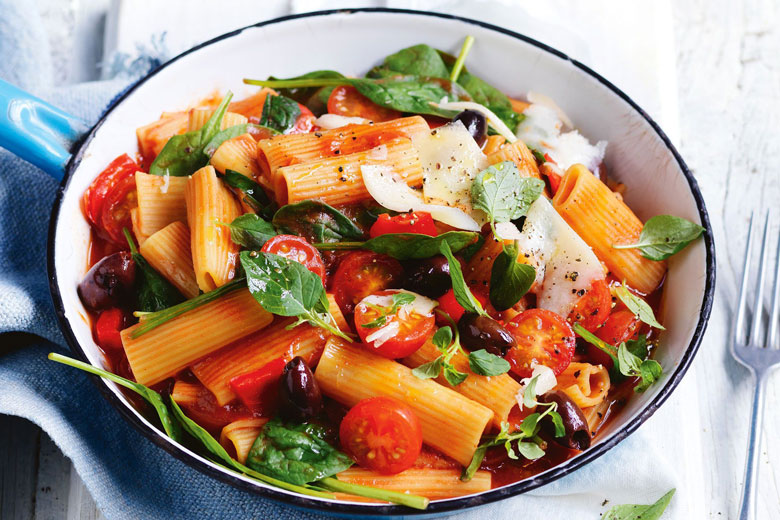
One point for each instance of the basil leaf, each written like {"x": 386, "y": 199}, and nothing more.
{"x": 251, "y": 231}
{"x": 462, "y": 293}
{"x": 638, "y": 347}
{"x": 417, "y": 60}
{"x": 316, "y": 222}
{"x": 170, "y": 426}
{"x": 230, "y": 133}
{"x": 484, "y": 363}
{"x": 408, "y": 246}
{"x": 638, "y": 306}
{"x": 442, "y": 338}
{"x": 664, "y": 235}
{"x": 280, "y": 113}
{"x": 472, "y": 249}
{"x": 530, "y": 450}
{"x": 650, "y": 371}
{"x": 628, "y": 363}
{"x": 596, "y": 342}
{"x": 530, "y": 425}
{"x": 297, "y": 454}
{"x": 183, "y": 154}
{"x": 476, "y": 462}
{"x": 428, "y": 370}
{"x": 529, "y": 393}
{"x": 155, "y": 293}
{"x": 509, "y": 279}
{"x": 453, "y": 376}
{"x": 280, "y": 285}
{"x": 557, "y": 420}
{"x": 640, "y": 512}
{"x": 403, "y": 298}
{"x": 502, "y": 193}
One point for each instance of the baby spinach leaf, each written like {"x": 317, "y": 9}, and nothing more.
{"x": 230, "y": 133}
{"x": 492, "y": 98}
{"x": 316, "y": 222}
{"x": 664, "y": 235}
{"x": 298, "y": 454}
{"x": 251, "y": 231}
{"x": 509, "y": 279}
{"x": 183, "y": 154}
{"x": 638, "y": 306}
{"x": 417, "y": 60}
{"x": 503, "y": 194}
{"x": 254, "y": 195}
{"x": 640, "y": 512}
{"x": 304, "y": 94}
{"x": 484, "y": 363}
{"x": 407, "y": 246}
{"x": 462, "y": 292}
{"x": 155, "y": 293}
{"x": 280, "y": 113}
{"x": 170, "y": 426}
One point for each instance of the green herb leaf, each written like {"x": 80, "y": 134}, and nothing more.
{"x": 628, "y": 364}
{"x": 184, "y": 154}
{"x": 399, "y": 299}
{"x": 596, "y": 342}
{"x": 298, "y": 454}
{"x": 529, "y": 393}
{"x": 664, "y": 235}
{"x": 395, "y": 497}
{"x": 316, "y": 221}
{"x": 224, "y": 135}
{"x": 155, "y": 293}
{"x": 304, "y": 95}
{"x": 454, "y": 376}
{"x": 530, "y": 450}
{"x": 417, "y": 60}
{"x": 429, "y": 370}
{"x": 476, "y": 462}
{"x": 254, "y": 195}
{"x": 650, "y": 371}
{"x": 462, "y": 292}
{"x": 170, "y": 426}
{"x": 407, "y": 246}
{"x": 503, "y": 194}
{"x": 638, "y": 306}
{"x": 251, "y": 231}
{"x": 557, "y": 420}
{"x": 509, "y": 279}
{"x": 280, "y": 113}
{"x": 638, "y": 347}
{"x": 484, "y": 363}
{"x": 442, "y": 338}
{"x": 640, "y": 512}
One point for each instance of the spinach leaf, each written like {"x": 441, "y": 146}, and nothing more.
{"x": 316, "y": 222}
{"x": 417, "y": 60}
{"x": 254, "y": 194}
{"x": 170, "y": 426}
{"x": 462, "y": 292}
{"x": 183, "y": 154}
{"x": 287, "y": 288}
{"x": 509, "y": 279}
{"x": 640, "y": 512}
{"x": 638, "y": 306}
{"x": 484, "y": 363}
{"x": 503, "y": 194}
{"x": 155, "y": 293}
{"x": 664, "y": 235}
{"x": 492, "y": 98}
{"x": 230, "y": 133}
{"x": 315, "y": 98}
{"x": 280, "y": 113}
{"x": 407, "y": 246}
{"x": 251, "y": 231}
{"x": 298, "y": 454}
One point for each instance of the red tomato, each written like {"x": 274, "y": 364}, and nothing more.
{"x": 115, "y": 214}
{"x": 258, "y": 389}
{"x": 305, "y": 122}
{"x": 450, "y": 305}
{"x": 414, "y": 222}
{"x": 543, "y": 337}
{"x": 361, "y": 273}
{"x": 345, "y": 100}
{"x": 413, "y": 330}
{"x": 107, "y": 328}
{"x": 205, "y": 411}
{"x": 110, "y": 197}
{"x": 382, "y": 434}
{"x": 299, "y": 250}
{"x": 592, "y": 309}
{"x": 622, "y": 325}
{"x": 119, "y": 168}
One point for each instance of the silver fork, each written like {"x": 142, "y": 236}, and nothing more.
{"x": 759, "y": 351}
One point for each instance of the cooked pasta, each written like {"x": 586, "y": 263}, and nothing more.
{"x": 237, "y": 154}
{"x": 199, "y": 116}
{"x": 519, "y": 154}
{"x": 586, "y": 384}
{"x": 153, "y": 137}
{"x": 170, "y": 253}
{"x": 240, "y": 435}
{"x": 435, "y": 484}
{"x": 161, "y": 201}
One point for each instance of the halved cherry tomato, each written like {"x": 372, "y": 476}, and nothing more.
{"x": 592, "y": 309}
{"x": 450, "y": 305}
{"x": 345, "y": 100}
{"x": 622, "y": 325}
{"x": 413, "y": 329}
{"x": 361, "y": 273}
{"x": 299, "y": 250}
{"x": 107, "y": 328}
{"x": 304, "y": 123}
{"x": 94, "y": 196}
{"x": 543, "y": 337}
{"x": 414, "y": 222}
{"x": 258, "y": 390}
{"x": 110, "y": 197}
{"x": 115, "y": 214}
{"x": 382, "y": 434}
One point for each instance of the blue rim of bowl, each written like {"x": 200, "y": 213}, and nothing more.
{"x": 335, "y": 507}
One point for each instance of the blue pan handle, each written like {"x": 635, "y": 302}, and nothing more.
{"x": 36, "y": 131}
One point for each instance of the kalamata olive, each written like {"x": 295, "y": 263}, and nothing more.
{"x": 300, "y": 398}
{"x": 429, "y": 277}
{"x": 475, "y": 123}
{"x": 108, "y": 282}
{"x": 577, "y": 434}
{"x": 481, "y": 332}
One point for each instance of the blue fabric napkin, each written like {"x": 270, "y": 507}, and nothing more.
{"x": 128, "y": 476}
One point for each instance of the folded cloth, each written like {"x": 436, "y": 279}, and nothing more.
{"x": 128, "y": 476}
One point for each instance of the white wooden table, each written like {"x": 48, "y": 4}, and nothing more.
{"x": 728, "y": 70}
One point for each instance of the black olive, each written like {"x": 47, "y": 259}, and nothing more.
{"x": 300, "y": 398}
{"x": 481, "y": 332}
{"x": 577, "y": 436}
{"x": 108, "y": 282}
{"x": 429, "y": 277}
{"x": 475, "y": 123}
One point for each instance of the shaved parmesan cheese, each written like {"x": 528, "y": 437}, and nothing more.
{"x": 508, "y": 231}
{"x": 381, "y": 335}
{"x": 565, "y": 265}
{"x": 391, "y": 192}
{"x": 492, "y": 119}
{"x": 538, "y": 98}
{"x": 421, "y": 305}
{"x": 544, "y": 383}
{"x": 330, "y": 121}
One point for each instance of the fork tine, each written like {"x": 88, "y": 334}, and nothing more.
{"x": 758, "y": 304}
{"x": 739, "y": 323}
{"x": 774, "y": 315}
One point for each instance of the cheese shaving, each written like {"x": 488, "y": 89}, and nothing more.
{"x": 494, "y": 121}
{"x": 331, "y": 121}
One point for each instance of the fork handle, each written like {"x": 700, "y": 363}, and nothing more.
{"x": 747, "y": 509}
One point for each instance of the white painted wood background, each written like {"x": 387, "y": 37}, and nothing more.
{"x": 728, "y": 69}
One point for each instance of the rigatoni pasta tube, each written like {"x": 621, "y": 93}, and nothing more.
{"x": 185, "y": 393}
{"x": 450, "y": 422}
{"x": 237, "y": 154}
{"x": 252, "y": 106}
{"x": 209, "y": 206}
{"x": 240, "y": 435}
{"x": 199, "y": 116}
{"x": 519, "y": 154}
{"x": 434, "y": 484}
{"x": 160, "y": 201}
{"x": 586, "y": 384}
{"x": 495, "y": 392}
{"x": 170, "y": 253}
{"x": 152, "y": 137}
{"x": 339, "y": 180}
{"x": 602, "y": 219}
{"x": 165, "y": 350}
